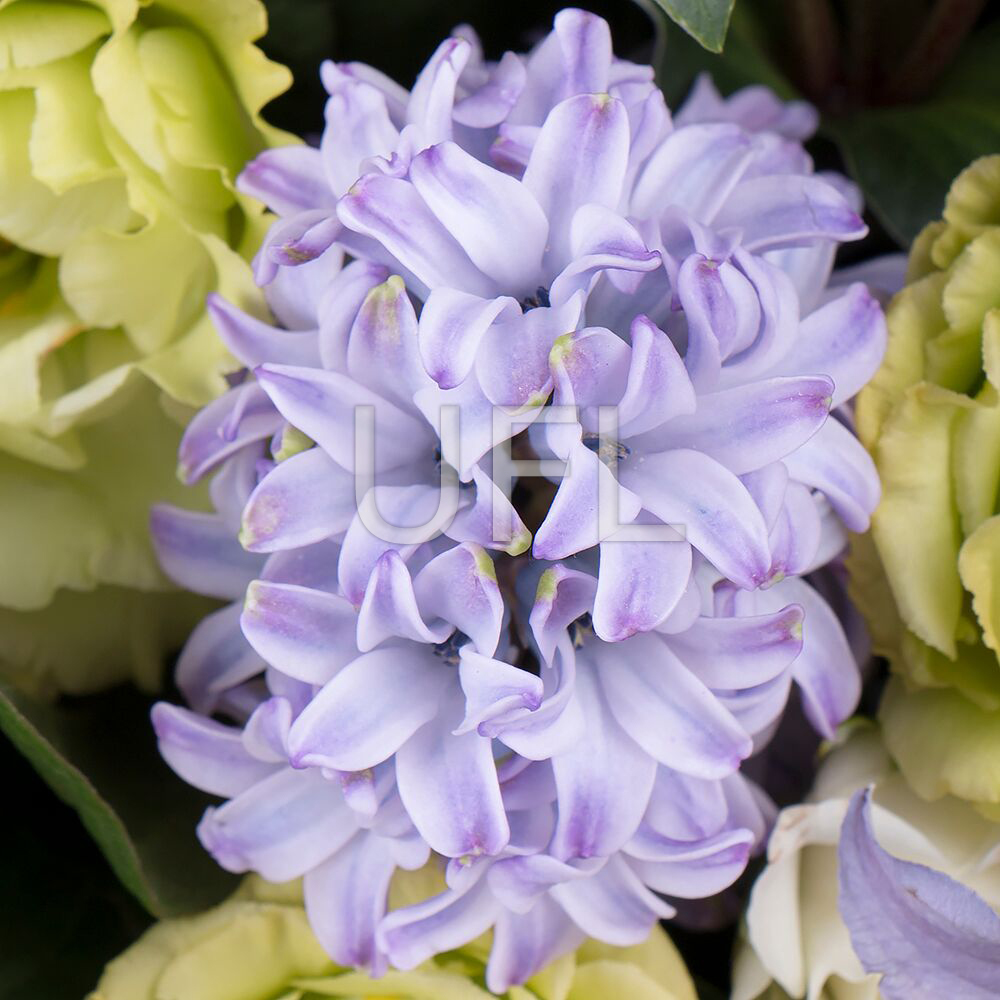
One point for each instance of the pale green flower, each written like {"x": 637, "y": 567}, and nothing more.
{"x": 931, "y": 419}
{"x": 794, "y": 943}
{"x": 258, "y": 946}
{"x": 124, "y": 124}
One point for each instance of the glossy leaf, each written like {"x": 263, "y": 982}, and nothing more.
{"x": 705, "y": 20}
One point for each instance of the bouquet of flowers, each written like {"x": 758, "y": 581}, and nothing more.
{"x": 578, "y": 579}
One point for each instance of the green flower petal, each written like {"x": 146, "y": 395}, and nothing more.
{"x": 979, "y": 565}
{"x": 914, "y": 448}
{"x": 943, "y": 743}
{"x": 36, "y": 32}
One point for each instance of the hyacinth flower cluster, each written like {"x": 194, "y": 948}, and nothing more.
{"x": 517, "y": 501}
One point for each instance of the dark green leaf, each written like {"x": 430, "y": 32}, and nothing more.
{"x": 905, "y": 158}
{"x": 99, "y": 755}
{"x": 64, "y": 914}
{"x": 705, "y": 20}
{"x": 744, "y": 62}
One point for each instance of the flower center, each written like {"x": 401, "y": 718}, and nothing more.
{"x": 449, "y": 649}
{"x": 581, "y": 630}
{"x": 539, "y": 299}
{"x": 610, "y": 452}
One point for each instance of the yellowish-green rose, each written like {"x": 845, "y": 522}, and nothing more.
{"x": 930, "y": 582}
{"x": 124, "y": 125}
{"x": 794, "y": 943}
{"x": 258, "y": 946}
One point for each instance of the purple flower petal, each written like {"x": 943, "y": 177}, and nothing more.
{"x": 369, "y": 709}
{"x": 306, "y": 634}
{"x": 339, "y": 307}
{"x": 215, "y": 658}
{"x": 389, "y": 609}
{"x": 845, "y": 339}
{"x": 322, "y": 404}
{"x": 460, "y": 587}
{"x": 282, "y": 827}
{"x": 198, "y": 552}
{"x": 734, "y": 653}
{"x": 205, "y": 753}
{"x": 449, "y": 786}
{"x": 493, "y": 688}
{"x": 433, "y": 96}
{"x": 776, "y": 211}
{"x": 835, "y": 462}
{"x": 481, "y": 207}
{"x": 580, "y": 157}
{"x": 603, "y": 791}
{"x": 563, "y": 595}
{"x": 669, "y": 712}
{"x": 345, "y": 898}
{"x": 640, "y": 583}
{"x": 713, "y": 507}
{"x": 690, "y": 871}
{"x": 393, "y": 213}
{"x": 683, "y": 807}
{"x": 452, "y": 324}
{"x": 287, "y": 180}
{"x": 254, "y": 342}
{"x": 927, "y": 934}
{"x": 302, "y": 500}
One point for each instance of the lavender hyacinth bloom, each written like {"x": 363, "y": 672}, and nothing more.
{"x": 551, "y": 703}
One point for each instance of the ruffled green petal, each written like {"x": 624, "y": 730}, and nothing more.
{"x": 943, "y": 743}
{"x": 914, "y": 449}
{"x": 36, "y": 32}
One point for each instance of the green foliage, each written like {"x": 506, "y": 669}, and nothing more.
{"x": 99, "y": 756}
{"x": 705, "y": 20}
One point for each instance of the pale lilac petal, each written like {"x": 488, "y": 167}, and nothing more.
{"x": 492, "y": 689}
{"x": 339, "y": 306}
{"x": 460, "y": 587}
{"x": 797, "y": 533}
{"x": 287, "y": 180}
{"x": 526, "y": 943}
{"x": 302, "y": 500}
{"x": 238, "y": 418}
{"x": 204, "y": 752}
{"x": 563, "y": 595}
{"x": 296, "y": 241}
{"x": 927, "y": 934}
{"x": 585, "y": 43}
{"x": 695, "y": 167}
{"x": 215, "y": 658}
{"x": 444, "y": 922}
{"x": 668, "y": 711}
{"x": 345, "y": 898}
{"x": 433, "y": 96}
{"x": 490, "y": 520}
{"x": 490, "y": 104}
{"x": 265, "y": 735}
{"x": 280, "y": 828}
{"x": 590, "y": 368}
{"x": 768, "y": 486}
{"x": 519, "y": 883}
{"x": 601, "y": 240}
{"x": 369, "y": 709}
{"x": 683, "y": 807}
{"x": 714, "y": 509}
{"x": 639, "y": 584}
{"x": 296, "y": 293}
{"x": 572, "y": 523}
{"x": 690, "y": 871}
{"x": 580, "y": 157}
{"x": 382, "y": 349}
{"x": 322, "y": 404}
{"x": 513, "y": 360}
{"x": 757, "y": 708}
{"x": 306, "y": 634}
{"x": 835, "y": 462}
{"x": 602, "y": 792}
{"x": 449, "y": 786}
{"x": 777, "y": 211}
{"x": 357, "y": 127}
{"x": 392, "y": 212}
{"x": 659, "y": 387}
{"x": 389, "y": 609}
{"x": 311, "y": 566}
{"x": 481, "y": 208}
{"x": 198, "y": 552}
{"x": 845, "y": 339}
{"x": 452, "y": 324}
{"x": 754, "y": 425}
{"x": 733, "y": 653}
{"x": 825, "y": 670}
{"x": 613, "y": 905}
